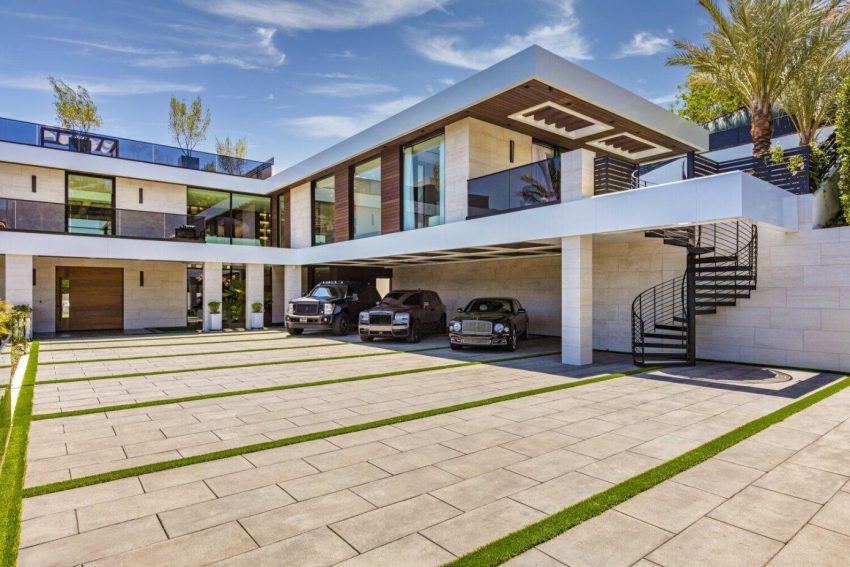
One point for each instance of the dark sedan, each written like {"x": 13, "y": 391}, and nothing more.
{"x": 489, "y": 321}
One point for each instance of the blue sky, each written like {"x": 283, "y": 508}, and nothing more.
{"x": 295, "y": 76}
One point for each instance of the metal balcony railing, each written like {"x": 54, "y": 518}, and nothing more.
{"x": 29, "y": 133}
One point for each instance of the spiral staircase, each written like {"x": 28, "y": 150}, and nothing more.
{"x": 721, "y": 269}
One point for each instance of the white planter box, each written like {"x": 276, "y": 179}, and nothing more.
{"x": 257, "y": 320}
{"x": 215, "y": 322}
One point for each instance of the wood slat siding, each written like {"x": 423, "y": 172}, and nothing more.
{"x": 391, "y": 190}
{"x": 342, "y": 203}
{"x": 611, "y": 174}
{"x": 96, "y": 298}
{"x": 287, "y": 218}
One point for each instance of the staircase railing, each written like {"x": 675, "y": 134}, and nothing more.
{"x": 663, "y": 304}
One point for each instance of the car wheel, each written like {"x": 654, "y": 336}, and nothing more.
{"x": 293, "y": 331}
{"x": 366, "y": 338}
{"x": 456, "y": 347}
{"x": 415, "y": 334}
{"x": 340, "y": 325}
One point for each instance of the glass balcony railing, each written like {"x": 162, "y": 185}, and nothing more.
{"x": 531, "y": 185}
{"x": 40, "y": 216}
{"x": 29, "y": 133}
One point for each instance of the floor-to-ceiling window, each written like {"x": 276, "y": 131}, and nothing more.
{"x": 252, "y": 219}
{"x": 323, "y": 210}
{"x": 423, "y": 197}
{"x": 366, "y": 188}
{"x": 230, "y": 218}
{"x": 91, "y": 204}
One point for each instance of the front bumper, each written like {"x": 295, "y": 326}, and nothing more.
{"x": 395, "y": 330}
{"x": 478, "y": 340}
{"x": 309, "y": 321}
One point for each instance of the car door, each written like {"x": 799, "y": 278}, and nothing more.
{"x": 430, "y": 310}
{"x": 521, "y": 318}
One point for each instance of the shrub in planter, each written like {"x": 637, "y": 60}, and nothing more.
{"x": 215, "y": 315}
{"x": 257, "y": 315}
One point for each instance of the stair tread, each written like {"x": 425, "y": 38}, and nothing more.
{"x": 662, "y": 345}
{"x": 670, "y": 327}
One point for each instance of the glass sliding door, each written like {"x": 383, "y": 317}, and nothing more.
{"x": 233, "y": 296}
{"x": 195, "y": 296}
{"x": 323, "y": 210}
{"x": 367, "y": 198}
{"x": 252, "y": 220}
{"x": 423, "y": 190}
{"x": 211, "y": 209}
{"x": 91, "y": 202}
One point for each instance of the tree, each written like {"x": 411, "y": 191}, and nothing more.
{"x": 231, "y": 155}
{"x": 188, "y": 126}
{"x": 758, "y": 48}
{"x": 75, "y": 109}
{"x": 702, "y": 102}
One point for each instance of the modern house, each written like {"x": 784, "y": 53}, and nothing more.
{"x": 534, "y": 179}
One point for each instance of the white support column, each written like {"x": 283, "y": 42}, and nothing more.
{"x": 577, "y": 174}
{"x": 291, "y": 284}
{"x": 254, "y": 292}
{"x": 577, "y": 300}
{"x": 278, "y": 300}
{"x": 212, "y": 288}
{"x": 19, "y": 284}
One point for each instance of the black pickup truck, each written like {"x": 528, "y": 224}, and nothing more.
{"x": 332, "y": 305}
{"x": 404, "y": 314}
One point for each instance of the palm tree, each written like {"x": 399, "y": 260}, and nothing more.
{"x": 758, "y": 48}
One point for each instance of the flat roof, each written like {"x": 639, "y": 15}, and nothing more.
{"x": 644, "y": 130}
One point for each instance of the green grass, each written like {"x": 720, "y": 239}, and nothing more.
{"x": 162, "y": 337}
{"x": 231, "y": 366}
{"x": 513, "y": 544}
{"x": 14, "y": 466}
{"x": 103, "y": 409}
{"x": 158, "y": 345}
{"x": 5, "y": 418}
{"x": 167, "y": 465}
{"x": 186, "y": 354}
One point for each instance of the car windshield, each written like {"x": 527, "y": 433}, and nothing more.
{"x": 328, "y": 291}
{"x": 402, "y": 298}
{"x": 489, "y": 305}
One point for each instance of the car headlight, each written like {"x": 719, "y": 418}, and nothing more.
{"x": 329, "y": 308}
{"x": 402, "y": 317}
{"x": 455, "y": 326}
{"x": 291, "y": 308}
{"x": 498, "y": 327}
{"x": 364, "y": 317}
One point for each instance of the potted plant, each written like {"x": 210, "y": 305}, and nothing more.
{"x": 215, "y": 315}
{"x": 231, "y": 155}
{"x": 257, "y": 315}
{"x": 76, "y": 111}
{"x": 189, "y": 127}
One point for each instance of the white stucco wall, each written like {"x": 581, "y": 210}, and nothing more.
{"x": 300, "y": 216}
{"x": 16, "y": 183}
{"x": 161, "y": 302}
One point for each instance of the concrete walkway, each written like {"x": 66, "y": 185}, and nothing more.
{"x": 780, "y": 498}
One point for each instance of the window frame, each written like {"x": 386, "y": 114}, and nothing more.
{"x": 112, "y": 204}
{"x": 402, "y": 201}
{"x": 352, "y": 232}
{"x": 313, "y": 183}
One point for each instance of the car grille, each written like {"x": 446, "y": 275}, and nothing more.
{"x": 380, "y": 318}
{"x": 476, "y": 327}
{"x": 306, "y": 308}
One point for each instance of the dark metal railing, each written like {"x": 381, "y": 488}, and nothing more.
{"x": 530, "y": 185}
{"x": 40, "y": 216}
{"x": 29, "y": 133}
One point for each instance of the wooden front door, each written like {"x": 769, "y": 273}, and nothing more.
{"x": 89, "y": 299}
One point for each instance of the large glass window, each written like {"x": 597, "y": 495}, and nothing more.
{"x": 424, "y": 166}
{"x": 210, "y": 209}
{"x": 323, "y": 210}
{"x": 542, "y": 150}
{"x": 367, "y": 198}
{"x": 252, "y": 220}
{"x": 90, "y": 204}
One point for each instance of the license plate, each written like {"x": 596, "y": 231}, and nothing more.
{"x": 303, "y": 320}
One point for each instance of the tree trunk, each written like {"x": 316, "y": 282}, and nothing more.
{"x": 761, "y": 128}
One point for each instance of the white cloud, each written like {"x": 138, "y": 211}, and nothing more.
{"x": 339, "y": 126}
{"x": 118, "y": 86}
{"x": 447, "y": 81}
{"x": 350, "y": 90}
{"x": 318, "y": 14}
{"x": 643, "y": 43}
{"x": 257, "y": 52}
{"x": 561, "y": 35}
{"x": 664, "y": 100}
{"x": 340, "y": 76}
{"x": 115, "y": 47}
{"x": 344, "y": 54}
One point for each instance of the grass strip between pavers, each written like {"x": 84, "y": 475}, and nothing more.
{"x": 187, "y": 354}
{"x": 158, "y": 345}
{"x": 159, "y": 337}
{"x": 104, "y": 409}
{"x": 236, "y": 451}
{"x": 520, "y": 541}
{"x": 15, "y": 464}
{"x": 231, "y": 366}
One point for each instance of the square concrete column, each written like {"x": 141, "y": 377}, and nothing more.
{"x": 278, "y": 301}
{"x": 577, "y": 300}
{"x": 212, "y": 288}
{"x": 254, "y": 293}
{"x": 576, "y": 174}
{"x": 291, "y": 283}
{"x": 18, "y": 282}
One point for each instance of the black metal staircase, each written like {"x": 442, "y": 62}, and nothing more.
{"x": 721, "y": 269}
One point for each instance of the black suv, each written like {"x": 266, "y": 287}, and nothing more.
{"x": 330, "y": 306}
{"x": 404, "y": 315}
